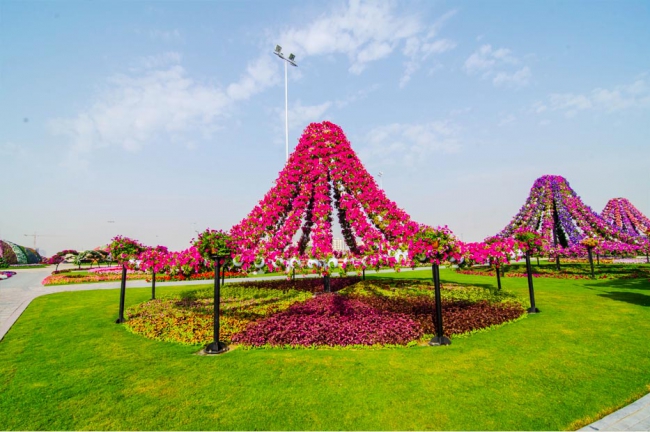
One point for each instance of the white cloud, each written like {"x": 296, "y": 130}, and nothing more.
{"x": 259, "y": 75}
{"x": 136, "y": 109}
{"x": 159, "y": 60}
{"x": 500, "y": 65}
{"x": 507, "y": 120}
{"x": 301, "y": 115}
{"x": 13, "y": 150}
{"x": 165, "y": 35}
{"x": 519, "y": 78}
{"x": 622, "y": 97}
{"x": 367, "y": 31}
{"x": 358, "y": 95}
{"x": 410, "y": 144}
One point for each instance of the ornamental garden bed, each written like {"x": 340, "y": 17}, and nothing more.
{"x": 87, "y": 277}
{"x": 295, "y": 314}
{"x": 568, "y": 271}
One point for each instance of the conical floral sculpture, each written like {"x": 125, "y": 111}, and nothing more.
{"x": 620, "y": 213}
{"x": 555, "y": 211}
{"x": 323, "y": 172}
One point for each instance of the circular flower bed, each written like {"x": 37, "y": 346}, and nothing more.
{"x": 298, "y": 314}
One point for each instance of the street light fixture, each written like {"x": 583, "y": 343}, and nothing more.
{"x": 290, "y": 60}
{"x": 381, "y": 183}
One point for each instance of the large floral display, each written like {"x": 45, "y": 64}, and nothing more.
{"x": 558, "y": 214}
{"x": 292, "y": 225}
{"x": 620, "y": 213}
{"x": 11, "y": 253}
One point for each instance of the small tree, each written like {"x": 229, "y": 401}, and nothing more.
{"x": 56, "y": 259}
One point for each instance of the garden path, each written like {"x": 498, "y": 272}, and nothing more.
{"x": 17, "y": 292}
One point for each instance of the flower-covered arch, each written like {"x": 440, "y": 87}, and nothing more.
{"x": 620, "y": 213}
{"x": 321, "y": 174}
{"x": 555, "y": 211}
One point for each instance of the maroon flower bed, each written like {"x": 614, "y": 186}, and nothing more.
{"x": 314, "y": 285}
{"x": 458, "y": 316}
{"x": 332, "y": 320}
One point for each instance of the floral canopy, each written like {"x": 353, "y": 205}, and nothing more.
{"x": 321, "y": 174}
{"x": 555, "y": 211}
{"x": 620, "y": 213}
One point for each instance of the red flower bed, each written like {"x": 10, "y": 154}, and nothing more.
{"x": 457, "y": 316}
{"x": 331, "y": 320}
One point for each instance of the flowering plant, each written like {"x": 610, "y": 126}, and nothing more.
{"x": 589, "y": 242}
{"x": 529, "y": 240}
{"x": 434, "y": 245}
{"x": 124, "y": 249}
{"x": 154, "y": 259}
{"x": 213, "y": 243}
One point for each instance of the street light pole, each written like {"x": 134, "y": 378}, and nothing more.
{"x": 286, "y": 112}
{"x": 291, "y": 60}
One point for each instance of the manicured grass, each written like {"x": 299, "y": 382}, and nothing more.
{"x": 66, "y": 365}
{"x": 24, "y": 267}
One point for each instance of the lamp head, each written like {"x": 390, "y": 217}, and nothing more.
{"x": 278, "y": 49}
{"x": 292, "y": 57}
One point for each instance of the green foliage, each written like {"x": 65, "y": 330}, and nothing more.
{"x": 188, "y": 318}
{"x": 3, "y": 263}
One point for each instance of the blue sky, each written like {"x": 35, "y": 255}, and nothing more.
{"x": 157, "y": 119}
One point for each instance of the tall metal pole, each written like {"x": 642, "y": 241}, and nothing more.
{"x": 531, "y": 290}
{"x": 121, "y": 318}
{"x": 286, "y": 111}
{"x": 439, "y": 339}
{"x": 216, "y": 347}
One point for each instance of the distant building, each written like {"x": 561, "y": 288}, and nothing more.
{"x": 339, "y": 245}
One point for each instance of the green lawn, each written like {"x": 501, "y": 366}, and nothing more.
{"x": 66, "y": 365}
{"x": 24, "y": 267}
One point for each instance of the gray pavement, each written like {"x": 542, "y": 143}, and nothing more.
{"x": 634, "y": 417}
{"x": 17, "y": 292}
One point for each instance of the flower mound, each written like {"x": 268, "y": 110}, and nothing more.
{"x": 332, "y": 320}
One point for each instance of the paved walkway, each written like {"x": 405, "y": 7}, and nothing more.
{"x": 634, "y": 417}
{"x": 17, "y": 292}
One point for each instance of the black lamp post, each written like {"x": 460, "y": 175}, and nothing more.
{"x": 216, "y": 347}
{"x": 153, "y": 285}
{"x": 498, "y": 279}
{"x": 121, "y": 318}
{"x": 439, "y": 339}
{"x": 531, "y": 291}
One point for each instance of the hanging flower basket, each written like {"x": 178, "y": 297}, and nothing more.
{"x": 213, "y": 244}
